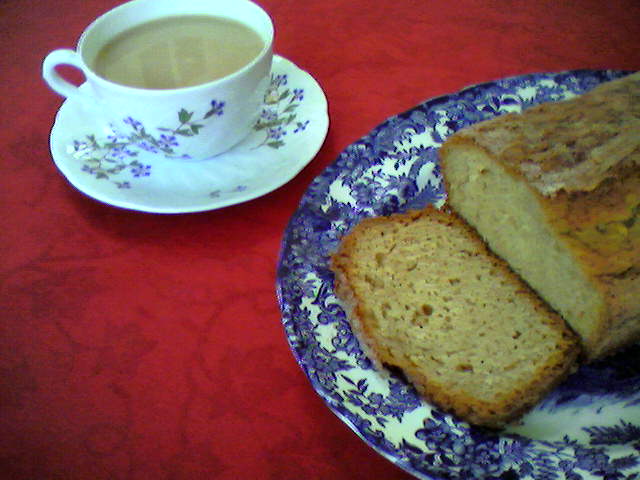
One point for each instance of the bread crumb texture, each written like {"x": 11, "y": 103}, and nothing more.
{"x": 555, "y": 191}
{"x": 429, "y": 298}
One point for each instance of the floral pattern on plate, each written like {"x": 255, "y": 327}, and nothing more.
{"x": 143, "y": 170}
{"x": 588, "y": 428}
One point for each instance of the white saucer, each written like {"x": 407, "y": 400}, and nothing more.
{"x": 138, "y": 179}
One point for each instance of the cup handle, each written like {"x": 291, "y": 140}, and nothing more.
{"x": 55, "y": 81}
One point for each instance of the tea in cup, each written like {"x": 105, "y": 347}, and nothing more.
{"x": 187, "y": 78}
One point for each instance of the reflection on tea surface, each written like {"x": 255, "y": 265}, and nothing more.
{"x": 178, "y": 51}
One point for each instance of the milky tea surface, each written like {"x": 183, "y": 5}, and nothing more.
{"x": 178, "y": 51}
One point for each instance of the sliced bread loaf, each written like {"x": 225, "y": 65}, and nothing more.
{"x": 425, "y": 295}
{"x": 555, "y": 191}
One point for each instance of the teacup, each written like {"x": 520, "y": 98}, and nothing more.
{"x": 179, "y": 119}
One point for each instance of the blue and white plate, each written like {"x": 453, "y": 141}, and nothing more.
{"x": 130, "y": 171}
{"x": 588, "y": 428}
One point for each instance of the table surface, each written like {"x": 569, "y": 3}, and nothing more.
{"x": 137, "y": 345}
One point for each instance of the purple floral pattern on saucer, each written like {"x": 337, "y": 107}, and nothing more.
{"x": 121, "y": 173}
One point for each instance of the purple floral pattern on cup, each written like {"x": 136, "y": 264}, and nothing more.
{"x": 278, "y": 117}
{"x": 117, "y": 155}
{"x": 115, "y": 158}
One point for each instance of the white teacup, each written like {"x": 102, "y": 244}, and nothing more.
{"x": 191, "y": 122}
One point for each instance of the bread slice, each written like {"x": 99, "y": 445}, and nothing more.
{"x": 424, "y": 294}
{"x": 555, "y": 191}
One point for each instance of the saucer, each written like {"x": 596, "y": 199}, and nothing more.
{"x": 288, "y": 135}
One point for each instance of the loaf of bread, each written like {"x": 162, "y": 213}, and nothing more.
{"x": 424, "y": 294}
{"x": 555, "y": 191}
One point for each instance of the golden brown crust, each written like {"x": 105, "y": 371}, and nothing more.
{"x": 622, "y": 325}
{"x": 510, "y": 404}
{"x": 511, "y": 407}
{"x": 572, "y": 145}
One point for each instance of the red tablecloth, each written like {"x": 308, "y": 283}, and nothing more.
{"x": 138, "y": 346}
